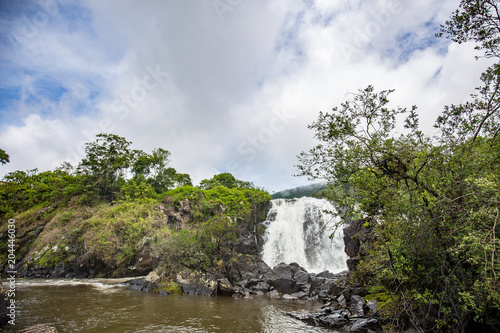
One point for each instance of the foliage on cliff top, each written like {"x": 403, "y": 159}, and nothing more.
{"x": 110, "y": 171}
{"x": 103, "y": 212}
{"x": 237, "y": 201}
{"x": 107, "y": 236}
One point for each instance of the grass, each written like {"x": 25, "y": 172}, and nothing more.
{"x": 109, "y": 236}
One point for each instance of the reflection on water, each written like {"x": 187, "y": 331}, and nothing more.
{"x": 104, "y": 305}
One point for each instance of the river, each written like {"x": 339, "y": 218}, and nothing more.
{"x": 106, "y": 305}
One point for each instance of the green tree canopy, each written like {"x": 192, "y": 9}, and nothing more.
{"x": 153, "y": 169}
{"x": 224, "y": 179}
{"x": 106, "y": 163}
{"x": 4, "y": 157}
{"x": 477, "y": 21}
{"x": 436, "y": 203}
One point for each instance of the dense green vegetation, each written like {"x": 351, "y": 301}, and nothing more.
{"x": 435, "y": 261}
{"x": 101, "y": 177}
{"x": 119, "y": 204}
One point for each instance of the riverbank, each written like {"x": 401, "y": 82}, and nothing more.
{"x": 103, "y": 305}
{"x": 236, "y": 269}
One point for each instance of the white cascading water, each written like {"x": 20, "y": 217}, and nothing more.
{"x": 298, "y": 230}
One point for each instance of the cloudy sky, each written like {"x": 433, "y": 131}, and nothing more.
{"x": 224, "y": 85}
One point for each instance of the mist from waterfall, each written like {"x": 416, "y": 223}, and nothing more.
{"x": 298, "y": 231}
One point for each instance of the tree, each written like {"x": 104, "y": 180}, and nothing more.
{"x": 182, "y": 179}
{"x": 150, "y": 165}
{"x": 4, "y": 157}
{"x": 435, "y": 202}
{"x": 106, "y": 163}
{"x": 224, "y": 179}
{"x": 152, "y": 168}
{"x": 477, "y": 21}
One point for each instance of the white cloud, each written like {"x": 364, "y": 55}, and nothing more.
{"x": 234, "y": 89}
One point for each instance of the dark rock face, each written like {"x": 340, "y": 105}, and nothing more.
{"x": 247, "y": 245}
{"x": 140, "y": 284}
{"x": 246, "y": 269}
{"x": 208, "y": 284}
{"x": 69, "y": 270}
{"x": 290, "y": 282}
{"x": 355, "y": 234}
{"x": 336, "y": 315}
{"x": 282, "y": 278}
{"x": 346, "y": 308}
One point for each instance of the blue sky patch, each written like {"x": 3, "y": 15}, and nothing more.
{"x": 50, "y": 89}
{"x": 9, "y": 96}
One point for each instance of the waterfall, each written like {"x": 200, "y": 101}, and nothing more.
{"x": 298, "y": 230}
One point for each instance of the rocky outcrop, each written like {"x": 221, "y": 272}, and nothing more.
{"x": 176, "y": 215}
{"x": 289, "y": 281}
{"x": 356, "y": 234}
{"x": 208, "y": 284}
{"x": 354, "y": 315}
{"x": 150, "y": 282}
{"x": 141, "y": 284}
{"x": 347, "y": 309}
{"x": 247, "y": 243}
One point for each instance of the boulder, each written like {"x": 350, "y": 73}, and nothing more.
{"x": 326, "y": 275}
{"x": 338, "y": 319}
{"x": 197, "y": 284}
{"x": 363, "y": 325}
{"x": 208, "y": 284}
{"x": 246, "y": 271}
{"x": 327, "y": 289}
{"x": 372, "y": 306}
{"x": 289, "y": 297}
{"x": 342, "y": 301}
{"x": 357, "y": 305}
{"x": 326, "y": 317}
{"x": 139, "y": 284}
{"x": 225, "y": 287}
{"x": 335, "y": 320}
{"x": 302, "y": 278}
{"x": 289, "y": 279}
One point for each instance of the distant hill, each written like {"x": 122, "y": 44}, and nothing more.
{"x": 301, "y": 191}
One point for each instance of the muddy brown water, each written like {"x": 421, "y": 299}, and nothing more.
{"x": 105, "y": 305}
